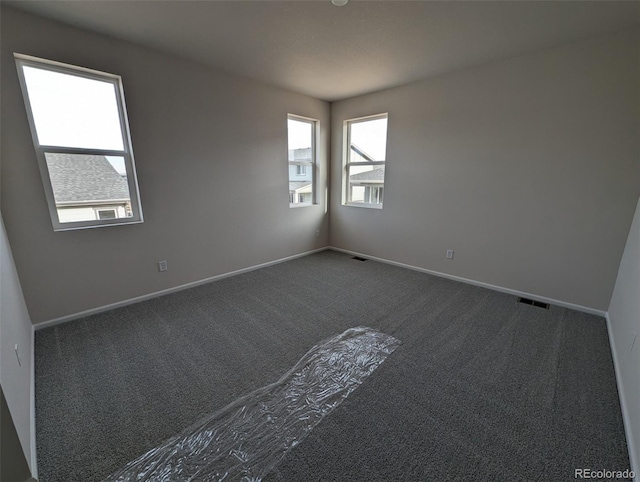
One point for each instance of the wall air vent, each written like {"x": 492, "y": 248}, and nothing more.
{"x": 538, "y": 304}
{"x": 359, "y": 258}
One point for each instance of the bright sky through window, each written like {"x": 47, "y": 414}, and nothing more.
{"x": 299, "y": 134}
{"x": 118, "y": 164}
{"x": 371, "y": 136}
{"x": 73, "y": 111}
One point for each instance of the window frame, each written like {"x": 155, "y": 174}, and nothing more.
{"x": 126, "y": 153}
{"x": 346, "y": 156}
{"x": 315, "y": 123}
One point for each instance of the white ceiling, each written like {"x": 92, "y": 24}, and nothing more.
{"x": 333, "y": 52}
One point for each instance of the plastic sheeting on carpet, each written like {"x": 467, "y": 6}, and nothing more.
{"x": 248, "y": 437}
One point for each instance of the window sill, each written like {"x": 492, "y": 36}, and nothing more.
{"x": 76, "y": 226}
{"x": 300, "y": 205}
{"x": 363, "y": 205}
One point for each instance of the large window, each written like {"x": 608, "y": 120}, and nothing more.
{"x": 81, "y": 135}
{"x": 365, "y": 158}
{"x": 302, "y": 159}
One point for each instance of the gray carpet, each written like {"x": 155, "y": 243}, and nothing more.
{"x": 482, "y": 388}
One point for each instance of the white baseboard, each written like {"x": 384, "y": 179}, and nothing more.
{"x": 155, "y": 294}
{"x": 584, "y": 309}
{"x": 101, "y": 309}
{"x": 623, "y": 403}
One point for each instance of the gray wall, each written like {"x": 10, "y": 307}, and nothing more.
{"x": 13, "y": 465}
{"x": 211, "y": 156}
{"x": 15, "y": 379}
{"x": 528, "y": 168}
{"x": 624, "y": 321}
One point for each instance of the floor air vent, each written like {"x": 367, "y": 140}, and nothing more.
{"x": 359, "y": 258}
{"x": 538, "y": 304}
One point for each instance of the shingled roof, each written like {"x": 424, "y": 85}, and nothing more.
{"x": 295, "y": 185}
{"x": 376, "y": 174}
{"x": 82, "y": 179}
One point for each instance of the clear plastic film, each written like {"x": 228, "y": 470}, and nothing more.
{"x": 247, "y": 438}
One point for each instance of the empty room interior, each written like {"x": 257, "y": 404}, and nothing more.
{"x": 209, "y": 272}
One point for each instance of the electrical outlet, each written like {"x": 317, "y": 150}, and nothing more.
{"x": 162, "y": 266}
{"x": 633, "y": 341}
{"x": 449, "y": 253}
{"x": 317, "y": 233}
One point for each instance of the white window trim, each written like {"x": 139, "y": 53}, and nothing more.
{"x": 126, "y": 153}
{"x": 315, "y": 123}
{"x": 346, "y": 135}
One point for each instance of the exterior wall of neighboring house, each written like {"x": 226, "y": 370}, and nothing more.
{"x": 68, "y": 214}
{"x": 300, "y": 177}
{"x": 365, "y": 191}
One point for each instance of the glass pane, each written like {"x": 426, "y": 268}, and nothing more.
{"x": 73, "y": 111}
{"x": 300, "y": 147}
{"x": 366, "y": 184}
{"x": 368, "y": 140}
{"x": 87, "y": 188}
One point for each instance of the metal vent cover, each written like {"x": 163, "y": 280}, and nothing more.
{"x": 537, "y": 304}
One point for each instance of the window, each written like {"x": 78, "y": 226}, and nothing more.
{"x": 81, "y": 135}
{"x": 365, "y": 158}
{"x": 107, "y": 214}
{"x": 302, "y": 158}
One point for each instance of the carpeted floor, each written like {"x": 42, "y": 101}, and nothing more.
{"x": 482, "y": 387}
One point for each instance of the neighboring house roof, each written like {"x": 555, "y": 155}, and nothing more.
{"x": 304, "y": 189}
{"x": 301, "y": 155}
{"x": 362, "y": 153}
{"x": 295, "y": 185}
{"x": 82, "y": 179}
{"x": 376, "y": 174}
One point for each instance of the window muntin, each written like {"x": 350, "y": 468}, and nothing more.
{"x": 365, "y": 159}
{"x": 81, "y": 137}
{"x": 301, "y": 139}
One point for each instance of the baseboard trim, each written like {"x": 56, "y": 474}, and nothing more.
{"x": 502, "y": 289}
{"x": 155, "y": 294}
{"x": 631, "y": 446}
{"x": 93, "y": 311}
